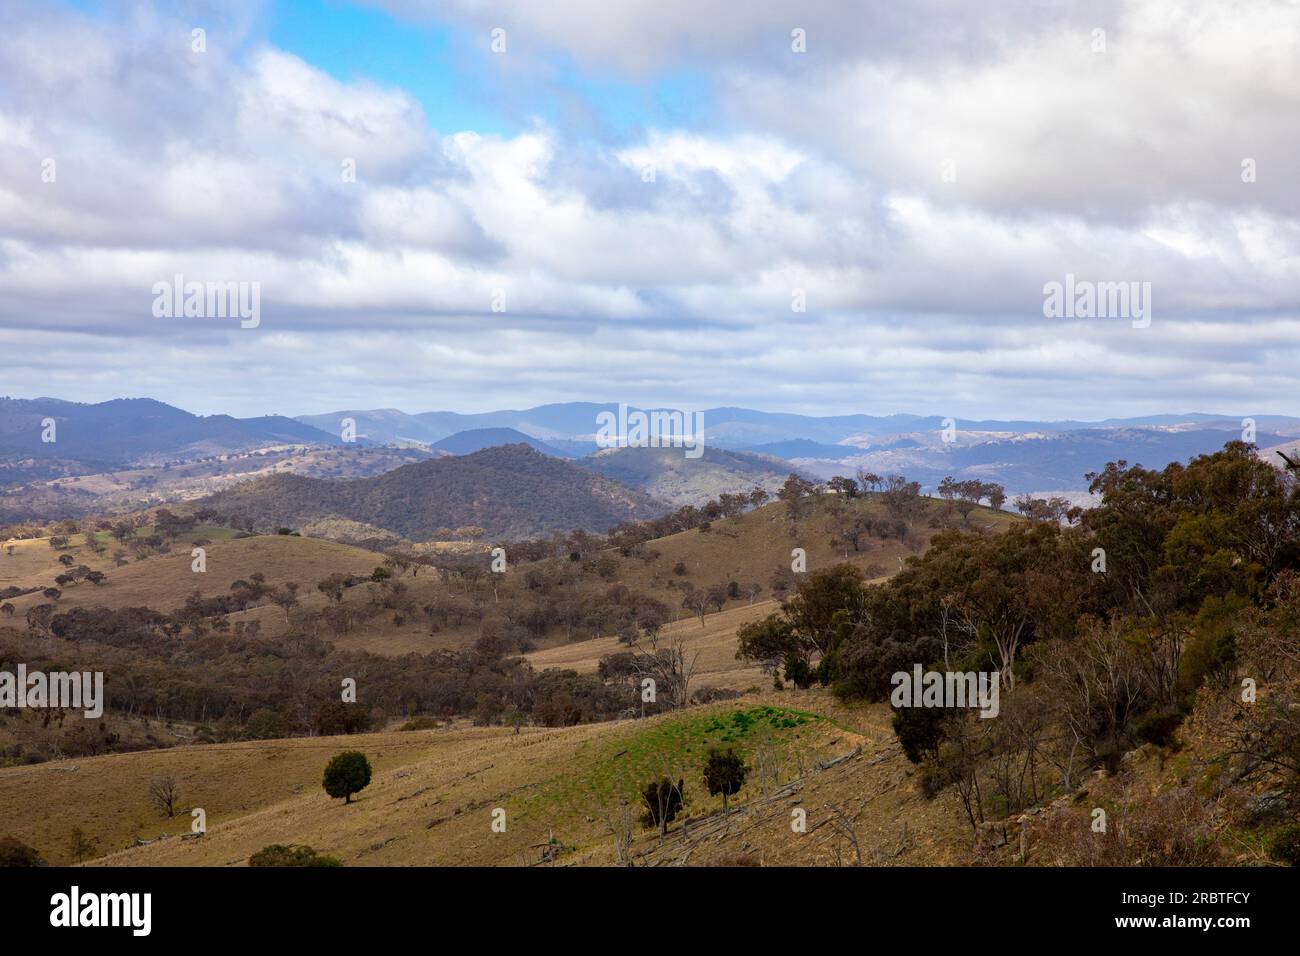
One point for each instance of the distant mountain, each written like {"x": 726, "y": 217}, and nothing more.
{"x": 512, "y": 491}
{"x": 132, "y": 431}
{"x": 383, "y": 426}
{"x": 741, "y": 429}
{"x": 476, "y": 439}
{"x": 1025, "y": 455}
{"x": 805, "y": 448}
{"x": 668, "y": 475}
{"x": 1035, "y": 462}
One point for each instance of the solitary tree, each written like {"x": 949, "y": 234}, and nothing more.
{"x": 346, "y": 774}
{"x": 164, "y": 794}
{"x": 725, "y": 774}
{"x": 81, "y": 846}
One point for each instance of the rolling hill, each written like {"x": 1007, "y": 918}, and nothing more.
{"x": 511, "y": 491}
{"x": 476, "y": 439}
{"x": 668, "y": 475}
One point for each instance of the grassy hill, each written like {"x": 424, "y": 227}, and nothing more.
{"x": 747, "y": 549}
{"x": 433, "y": 792}
{"x": 164, "y": 581}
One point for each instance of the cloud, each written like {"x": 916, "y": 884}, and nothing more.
{"x": 475, "y": 270}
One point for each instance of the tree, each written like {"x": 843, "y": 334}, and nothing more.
{"x": 767, "y": 641}
{"x": 663, "y": 800}
{"x": 81, "y": 846}
{"x": 724, "y": 773}
{"x": 792, "y": 493}
{"x": 697, "y": 600}
{"x": 717, "y": 596}
{"x": 996, "y": 494}
{"x": 869, "y": 480}
{"x": 164, "y": 794}
{"x": 267, "y": 724}
{"x": 843, "y": 486}
{"x": 902, "y": 498}
{"x": 39, "y": 617}
{"x": 332, "y": 586}
{"x": 339, "y": 717}
{"x": 7, "y": 609}
{"x": 346, "y": 774}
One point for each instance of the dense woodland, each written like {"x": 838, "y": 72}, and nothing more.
{"x": 1157, "y": 616}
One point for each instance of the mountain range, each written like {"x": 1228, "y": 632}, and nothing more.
{"x": 744, "y": 447}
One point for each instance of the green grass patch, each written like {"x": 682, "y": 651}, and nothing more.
{"x": 604, "y": 775}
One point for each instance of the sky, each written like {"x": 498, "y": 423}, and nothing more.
{"x": 822, "y": 206}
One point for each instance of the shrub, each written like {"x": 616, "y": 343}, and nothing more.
{"x": 14, "y": 852}
{"x": 346, "y": 774}
{"x": 278, "y": 854}
{"x": 1158, "y": 729}
{"x": 1285, "y": 845}
{"x": 724, "y": 773}
{"x": 919, "y": 730}
{"x": 421, "y": 723}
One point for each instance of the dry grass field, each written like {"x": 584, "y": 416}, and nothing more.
{"x": 715, "y": 643}
{"x": 433, "y": 794}
{"x": 164, "y": 581}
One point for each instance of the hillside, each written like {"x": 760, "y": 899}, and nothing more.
{"x": 122, "y": 490}
{"x": 668, "y": 475}
{"x": 433, "y": 792}
{"x": 512, "y": 491}
{"x": 476, "y": 439}
{"x": 753, "y": 548}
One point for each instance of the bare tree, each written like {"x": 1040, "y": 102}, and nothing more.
{"x": 622, "y": 825}
{"x": 164, "y": 794}
{"x": 671, "y": 669}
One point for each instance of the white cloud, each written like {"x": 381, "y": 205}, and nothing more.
{"x": 922, "y": 294}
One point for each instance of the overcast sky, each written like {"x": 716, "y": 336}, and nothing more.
{"x": 628, "y": 208}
